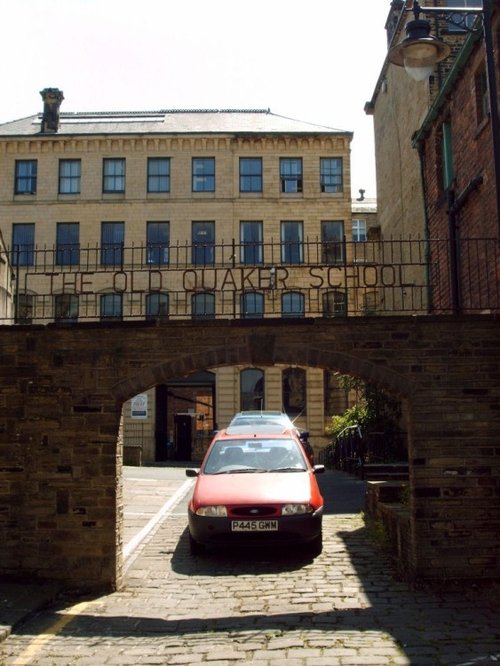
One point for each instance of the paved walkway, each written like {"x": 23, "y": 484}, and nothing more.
{"x": 264, "y": 609}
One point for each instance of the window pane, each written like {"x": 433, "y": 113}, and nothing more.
{"x": 203, "y": 306}
{"x": 158, "y": 239}
{"x": 68, "y": 244}
{"x": 331, "y": 174}
{"x": 158, "y": 174}
{"x": 292, "y": 251}
{"x": 24, "y": 309}
{"x": 291, "y": 174}
{"x": 23, "y": 244}
{"x": 251, "y": 251}
{"x": 252, "y": 305}
{"x": 114, "y": 175}
{"x": 203, "y": 240}
{"x": 203, "y": 174}
{"x": 66, "y": 307}
{"x": 112, "y": 236}
{"x": 251, "y": 389}
{"x": 69, "y": 176}
{"x": 359, "y": 231}
{"x": 250, "y": 174}
{"x": 294, "y": 391}
{"x": 292, "y": 304}
{"x": 332, "y": 242}
{"x": 25, "y": 177}
{"x": 334, "y": 303}
{"x": 111, "y": 306}
{"x": 157, "y": 306}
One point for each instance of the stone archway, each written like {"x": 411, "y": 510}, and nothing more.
{"x": 62, "y": 388}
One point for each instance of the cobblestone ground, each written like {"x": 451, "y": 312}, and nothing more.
{"x": 269, "y": 609}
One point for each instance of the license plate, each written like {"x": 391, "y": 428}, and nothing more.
{"x": 254, "y": 525}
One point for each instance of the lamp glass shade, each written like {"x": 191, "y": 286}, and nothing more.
{"x": 419, "y": 59}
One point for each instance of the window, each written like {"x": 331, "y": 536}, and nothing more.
{"x": 157, "y": 306}
{"x": 251, "y": 250}
{"x": 460, "y": 22}
{"x": 24, "y": 309}
{"x": 291, "y": 174}
{"x": 252, "y": 305}
{"x": 203, "y": 306}
{"x": 25, "y": 178}
{"x": 294, "y": 391}
{"x": 23, "y": 244}
{"x": 113, "y": 175}
{"x": 69, "y": 176}
{"x": 68, "y": 244}
{"x": 482, "y": 97}
{"x": 157, "y": 239}
{"x": 334, "y": 303}
{"x": 203, "y": 174}
{"x": 158, "y": 174}
{"x": 446, "y": 156}
{"x": 359, "y": 231}
{"x": 332, "y": 241}
{"x": 251, "y": 389}
{"x": 111, "y": 306}
{"x": 203, "y": 238}
{"x": 250, "y": 174}
{"x": 292, "y": 250}
{"x": 292, "y": 304}
{"x": 330, "y": 174}
{"x": 66, "y": 307}
{"x": 112, "y": 236}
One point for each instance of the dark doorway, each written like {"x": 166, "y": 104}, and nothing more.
{"x": 183, "y": 436}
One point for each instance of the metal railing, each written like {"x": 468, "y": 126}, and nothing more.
{"x": 310, "y": 278}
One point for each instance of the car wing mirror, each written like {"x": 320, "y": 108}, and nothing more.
{"x": 318, "y": 469}
{"x": 192, "y": 471}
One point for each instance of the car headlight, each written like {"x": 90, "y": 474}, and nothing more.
{"x": 216, "y": 511}
{"x": 296, "y": 509}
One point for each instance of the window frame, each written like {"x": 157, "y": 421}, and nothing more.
{"x": 292, "y": 312}
{"x": 205, "y": 298}
{"x": 23, "y": 252}
{"x": 331, "y": 178}
{"x": 116, "y": 301}
{"x": 254, "y": 178}
{"x": 112, "y": 249}
{"x": 67, "y": 249}
{"x": 25, "y": 183}
{"x": 292, "y": 251}
{"x": 250, "y": 397}
{"x": 251, "y": 249}
{"x": 253, "y": 299}
{"x": 68, "y": 303}
{"x": 291, "y": 179}
{"x": 332, "y": 244}
{"x": 359, "y": 230}
{"x": 339, "y": 306}
{"x": 71, "y": 179}
{"x": 158, "y": 178}
{"x": 204, "y": 179}
{"x": 113, "y": 182}
{"x": 161, "y": 302}
{"x": 157, "y": 248}
{"x": 202, "y": 252}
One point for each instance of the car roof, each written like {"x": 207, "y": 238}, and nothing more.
{"x": 271, "y": 431}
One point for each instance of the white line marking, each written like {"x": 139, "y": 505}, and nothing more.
{"x": 140, "y": 536}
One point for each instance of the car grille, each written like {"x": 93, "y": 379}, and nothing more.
{"x": 254, "y": 511}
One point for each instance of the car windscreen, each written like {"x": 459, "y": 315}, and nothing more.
{"x": 255, "y": 454}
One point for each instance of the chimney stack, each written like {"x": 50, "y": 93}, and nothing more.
{"x": 52, "y": 98}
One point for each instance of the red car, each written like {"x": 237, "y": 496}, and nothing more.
{"x": 256, "y": 488}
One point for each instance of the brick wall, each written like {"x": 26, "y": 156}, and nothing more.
{"x": 62, "y": 389}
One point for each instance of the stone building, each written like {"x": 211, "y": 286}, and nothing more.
{"x": 171, "y": 214}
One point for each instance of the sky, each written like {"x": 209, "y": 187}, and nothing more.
{"x": 312, "y": 60}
